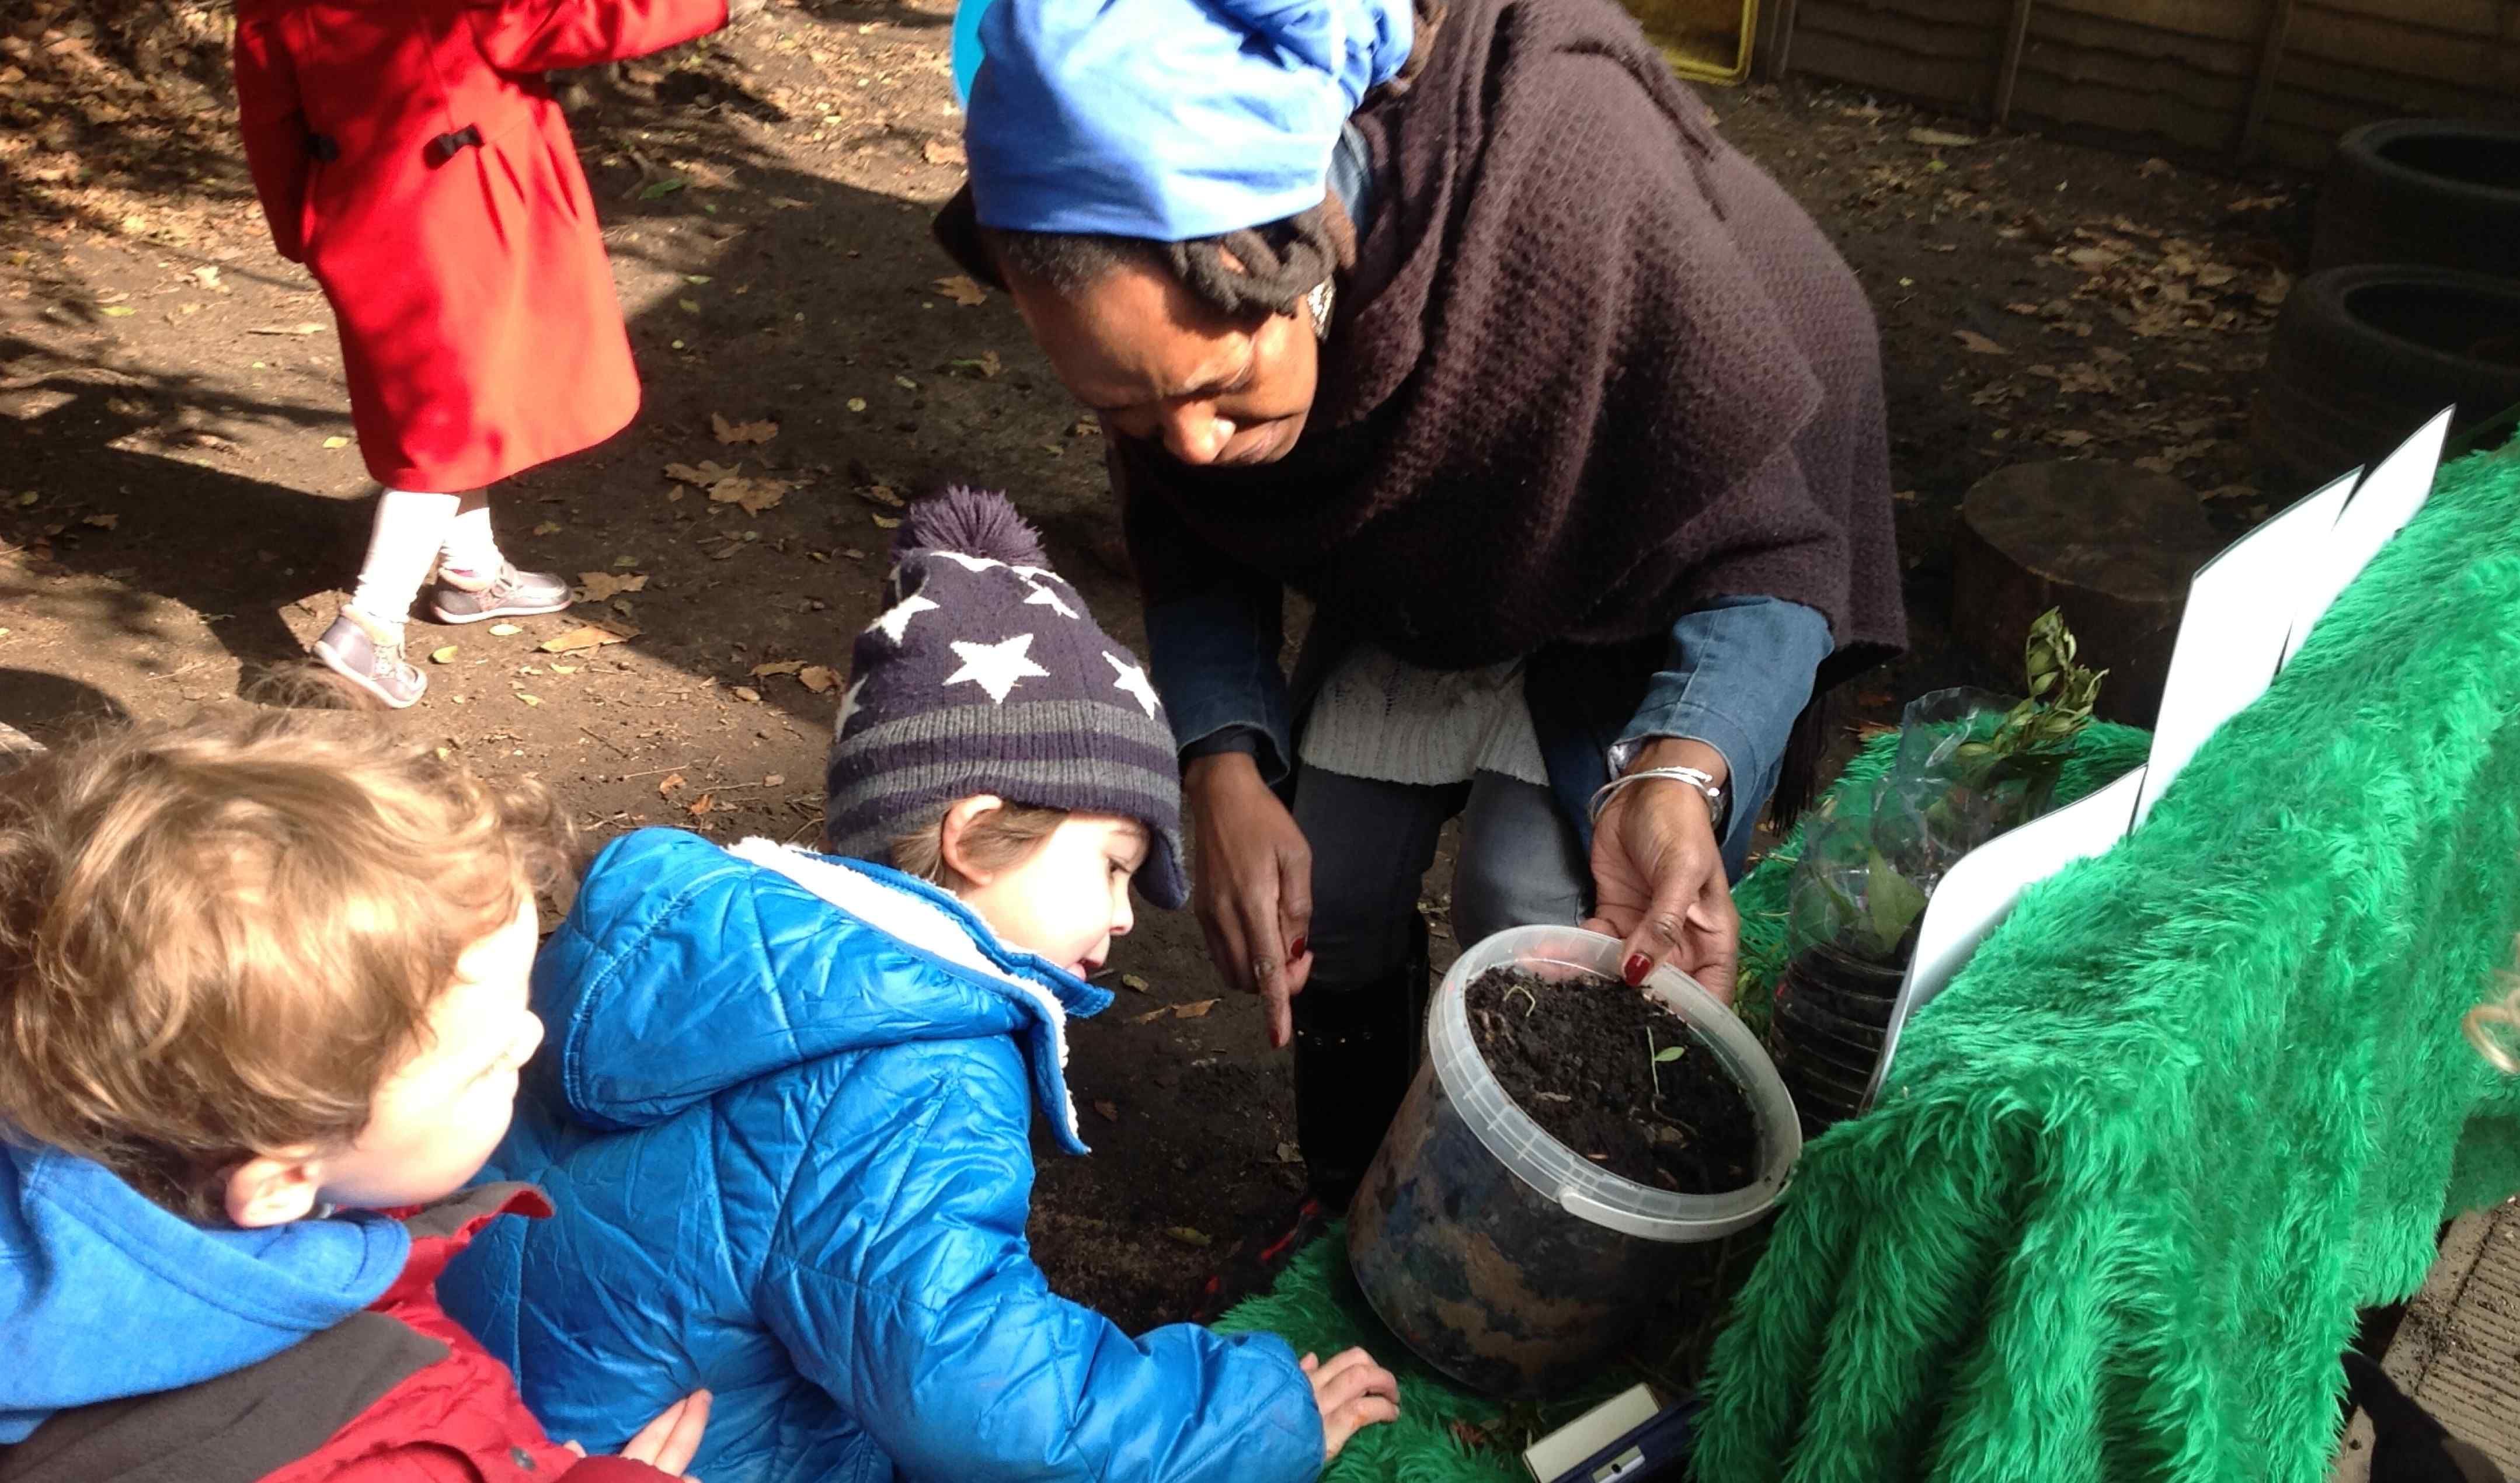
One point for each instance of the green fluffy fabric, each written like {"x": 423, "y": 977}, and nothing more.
{"x": 1315, "y": 1307}
{"x": 2195, "y": 1101}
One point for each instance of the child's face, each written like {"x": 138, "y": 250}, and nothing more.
{"x": 1069, "y": 897}
{"x": 437, "y": 1118}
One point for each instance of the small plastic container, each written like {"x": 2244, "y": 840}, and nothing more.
{"x": 1501, "y": 1256}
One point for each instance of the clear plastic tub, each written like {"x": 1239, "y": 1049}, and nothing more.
{"x": 1507, "y": 1259}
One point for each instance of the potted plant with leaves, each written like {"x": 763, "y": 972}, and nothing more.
{"x": 1968, "y": 766}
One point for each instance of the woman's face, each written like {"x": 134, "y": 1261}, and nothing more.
{"x": 1158, "y": 365}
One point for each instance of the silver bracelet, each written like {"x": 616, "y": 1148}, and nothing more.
{"x": 1696, "y": 778}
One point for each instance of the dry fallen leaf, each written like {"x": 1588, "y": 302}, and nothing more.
{"x": 589, "y": 636}
{"x": 752, "y": 495}
{"x": 748, "y": 695}
{"x": 530, "y": 700}
{"x": 857, "y": 404}
{"x": 336, "y": 441}
{"x": 943, "y": 152}
{"x": 1978, "y": 345}
{"x": 445, "y": 656}
{"x": 742, "y": 432}
{"x": 703, "y": 804}
{"x": 1289, "y": 1154}
{"x": 1150, "y": 1015}
{"x": 1132, "y": 983}
{"x": 1110, "y": 1111}
{"x": 885, "y": 521}
{"x": 548, "y": 527}
{"x": 307, "y": 327}
{"x": 773, "y": 780}
{"x": 1939, "y": 139}
{"x": 504, "y": 630}
{"x": 603, "y": 586}
{"x": 1190, "y": 1236}
{"x": 881, "y": 494}
{"x": 963, "y": 290}
{"x": 705, "y": 473}
{"x": 1193, "y": 1010}
{"x": 673, "y": 781}
{"x": 777, "y": 668}
{"x": 102, "y": 522}
{"x": 818, "y": 678}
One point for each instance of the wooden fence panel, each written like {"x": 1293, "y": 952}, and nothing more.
{"x": 2177, "y": 75}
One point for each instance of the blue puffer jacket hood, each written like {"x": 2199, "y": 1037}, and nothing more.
{"x": 784, "y": 1113}
{"x": 105, "y": 1294}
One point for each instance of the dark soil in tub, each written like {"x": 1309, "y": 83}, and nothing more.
{"x": 1580, "y": 1057}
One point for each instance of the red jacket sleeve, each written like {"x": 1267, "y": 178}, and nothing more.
{"x": 274, "y": 124}
{"x": 538, "y": 35}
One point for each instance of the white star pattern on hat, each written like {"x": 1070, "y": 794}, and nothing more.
{"x": 1038, "y": 574}
{"x": 1132, "y": 679}
{"x": 848, "y": 706}
{"x": 996, "y": 667}
{"x": 896, "y": 622}
{"x": 969, "y": 561}
{"x": 1043, "y": 596}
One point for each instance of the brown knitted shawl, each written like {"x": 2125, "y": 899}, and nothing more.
{"x": 1592, "y": 369}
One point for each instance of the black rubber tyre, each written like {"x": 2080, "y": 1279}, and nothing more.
{"x": 2442, "y": 192}
{"x": 2363, "y": 356}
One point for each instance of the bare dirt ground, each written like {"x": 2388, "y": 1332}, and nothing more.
{"x": 180, "y": 504}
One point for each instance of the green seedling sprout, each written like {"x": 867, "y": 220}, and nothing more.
{"x": 1655, "y": 1058}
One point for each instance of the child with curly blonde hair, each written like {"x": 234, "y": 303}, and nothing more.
{"x": 262, "y": 981}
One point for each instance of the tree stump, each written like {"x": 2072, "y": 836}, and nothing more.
{"x": 2111, "y": 545}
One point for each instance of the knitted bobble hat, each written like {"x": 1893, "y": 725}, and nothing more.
{"x": 985, "y": 674}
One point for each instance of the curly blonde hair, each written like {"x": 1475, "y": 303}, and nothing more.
{"x": 218, "y": 937}
{"x": 2491, "y": 1025}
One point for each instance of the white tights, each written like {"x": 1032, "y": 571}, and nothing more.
{"x": 413, "y": 532}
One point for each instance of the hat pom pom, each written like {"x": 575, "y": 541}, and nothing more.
{"x": 973, "y": 522}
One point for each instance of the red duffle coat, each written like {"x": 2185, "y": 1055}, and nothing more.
{"x": 409, "y": 153}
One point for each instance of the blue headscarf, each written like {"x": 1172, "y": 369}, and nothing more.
{"x": 1169, "y": 119}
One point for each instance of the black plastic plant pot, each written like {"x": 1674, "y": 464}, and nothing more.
{"x": 1503, "y": 1258}
{"x": 1849, "y": 988}
{"x": 1842, "y": 1086}
{"x": 1835, "y": 1037}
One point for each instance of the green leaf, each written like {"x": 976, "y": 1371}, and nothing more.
{"x": 1671, "y": 1053}
{"x": 660, "y": 188}
{"x": 1892, "y": 903}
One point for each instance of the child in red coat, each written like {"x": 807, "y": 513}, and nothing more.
{"x": 411, "y": 156}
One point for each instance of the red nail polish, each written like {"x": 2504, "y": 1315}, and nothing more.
{"x": 1638, "y": 967}
{"x": 1302, "y": 946}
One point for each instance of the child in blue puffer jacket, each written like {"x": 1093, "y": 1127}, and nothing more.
{"x": 784, "y": 1105}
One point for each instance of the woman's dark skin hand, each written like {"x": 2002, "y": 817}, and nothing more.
{"x": 1252, "y": 884}
{"x": 1658, "y": 874}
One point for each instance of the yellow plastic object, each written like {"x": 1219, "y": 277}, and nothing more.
{"x": 1704, "y": 40}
